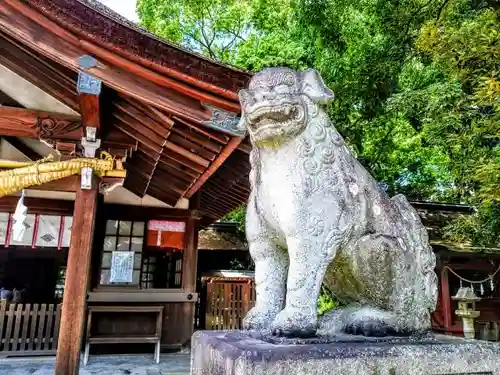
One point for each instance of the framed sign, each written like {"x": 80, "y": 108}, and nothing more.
{"x": 122, "y": 267}
{"x": 166, "y": 234}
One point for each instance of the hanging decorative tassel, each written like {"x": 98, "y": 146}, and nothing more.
{"x": 492, "y": 284}
{"x": 482, "y": 289}
{"x": 461, "y": 284}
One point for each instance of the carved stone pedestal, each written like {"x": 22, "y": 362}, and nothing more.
{"x": 241, "y": 353}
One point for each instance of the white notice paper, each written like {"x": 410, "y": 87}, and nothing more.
{"x": 122, "y": 267}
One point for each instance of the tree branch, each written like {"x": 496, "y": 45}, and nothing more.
{"x": 203, "y": 45}
{"x": 229, "y": 44}
{"x": 208, "y": 44}
{"x": 441, "y": 8}
{"x": 235, "y": 34}
{"x": 422, "y": 8}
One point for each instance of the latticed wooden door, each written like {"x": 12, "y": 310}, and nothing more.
{"x": 227, "y": 303}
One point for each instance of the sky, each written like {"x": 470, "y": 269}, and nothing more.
{"x": 125, "y": 7}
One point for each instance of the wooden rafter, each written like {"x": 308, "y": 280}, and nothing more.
{"x": 174, "y": 173}
{"x": 245, "y": 146}
{"x": 157, "y": 78}
{"x": 235, "y": 188}
{"x": 220, "y": 137}
{"x": 227, "y": 188}
{"x": 153, "y": 169}
{"x": 164, "y": 195}
{"x": 161, "y": 178}
{"x": 230, "y": 147}
{"x": 215, "y": 193}
{"x": 231, "y": 196}
{"x": 51, "y": 77}
{"x": 143, "y": 143}
{"x": 115, "y": 138}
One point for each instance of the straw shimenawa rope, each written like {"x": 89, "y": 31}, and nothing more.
{"x": 490, "y": 277}
{"x": 27, "y": 174}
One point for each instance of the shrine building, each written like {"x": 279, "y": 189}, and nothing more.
{"x": 121, "y": 147}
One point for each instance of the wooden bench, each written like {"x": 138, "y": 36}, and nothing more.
{"x": 129, "y": 339}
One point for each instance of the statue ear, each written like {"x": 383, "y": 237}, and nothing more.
{"x": 245, "y": 98}
{"x": 242, "y": 124}
{"x": 314, "y": 87}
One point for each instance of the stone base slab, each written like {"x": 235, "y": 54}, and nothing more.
{"x": 247, "y": 353}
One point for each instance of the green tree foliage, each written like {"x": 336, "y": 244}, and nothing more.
{"x": 211, "y": 27}
{"x": 238, "y": 216}
{"x": 468, "y": 51}
{"x": 416, "y": 82}
{"x": 465, "y": 124}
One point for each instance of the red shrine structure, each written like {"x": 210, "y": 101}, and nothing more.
{"x": 116, "y": 262}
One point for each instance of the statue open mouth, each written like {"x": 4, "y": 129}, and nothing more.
{"x": 283, "y": 116}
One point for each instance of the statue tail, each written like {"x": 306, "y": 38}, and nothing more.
{"x": 417, "y": 241}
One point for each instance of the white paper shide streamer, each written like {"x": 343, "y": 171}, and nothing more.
{"x": 19, "y": 216}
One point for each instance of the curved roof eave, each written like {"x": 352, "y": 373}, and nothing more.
{"x": 100, "y": 25}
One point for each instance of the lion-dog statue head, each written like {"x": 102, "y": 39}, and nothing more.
{"x": 279, "y": 103}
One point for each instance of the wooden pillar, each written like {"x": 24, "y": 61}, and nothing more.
{"x": 189, "y": 270}
{"x": 75, "y": 287}
{"x": 82, "y": 235}
{"x": 446, "y": 299}
{"x": 190, "y": 259}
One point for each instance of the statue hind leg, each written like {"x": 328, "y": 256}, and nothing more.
{"x": 380, "y": 280}
{"x": 360, "y": 320}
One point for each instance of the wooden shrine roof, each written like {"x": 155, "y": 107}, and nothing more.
{"x": 155, "y": 100}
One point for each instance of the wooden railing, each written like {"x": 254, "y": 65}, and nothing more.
{"x": 227, "y": 304}
{"x": 29, "y": 329}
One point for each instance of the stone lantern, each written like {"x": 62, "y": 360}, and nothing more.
{"x": 467, "y": 309}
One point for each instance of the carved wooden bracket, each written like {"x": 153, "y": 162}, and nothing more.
{"x": 56, "y": 128}
{"x": 20, "y": 122}
{"x": 224, "y": 121}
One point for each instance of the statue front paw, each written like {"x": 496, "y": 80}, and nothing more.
{"x": 295, "y": 323}
{"x": 258, "y": 318}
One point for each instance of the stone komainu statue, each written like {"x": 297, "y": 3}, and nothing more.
{"x": 315, "y": 216}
